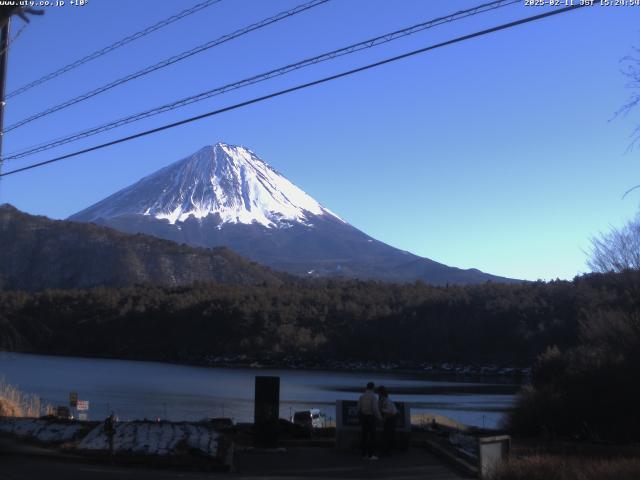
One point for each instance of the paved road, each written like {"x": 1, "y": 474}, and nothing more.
{"x": 36, "y": 468}
{"x": 296, "y": 463}
{"x": 320, "y": 463}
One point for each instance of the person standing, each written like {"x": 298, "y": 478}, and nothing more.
{"x": 369, "y": 413}
{"x": 109, "y": 427}
{"x": 389, "y": 413}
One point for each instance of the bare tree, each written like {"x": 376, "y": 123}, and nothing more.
{"x": 617, "y": 250}
{"x": 631, "y": 70}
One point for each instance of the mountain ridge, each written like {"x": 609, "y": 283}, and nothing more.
{"x": 41, "y": 253}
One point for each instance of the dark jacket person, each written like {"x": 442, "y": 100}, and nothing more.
{"x": 389, "y": 414}
{"x": 368, "y": 412}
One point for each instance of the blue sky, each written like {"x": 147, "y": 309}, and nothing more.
{"x": 500, "y": 153}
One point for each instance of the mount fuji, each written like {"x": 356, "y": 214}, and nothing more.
{"x": 225, "y": 195}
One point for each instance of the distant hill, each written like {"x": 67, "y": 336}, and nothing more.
{"x": 38, "y": 253}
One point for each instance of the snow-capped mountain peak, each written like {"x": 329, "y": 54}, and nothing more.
{"x": 224, "y": 195}
{"x": 225, "y": 180}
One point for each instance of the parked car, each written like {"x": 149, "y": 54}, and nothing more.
{"x": 312, "y": 418}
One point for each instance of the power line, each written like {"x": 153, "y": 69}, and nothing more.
{"x": 370, "y": 43}
{"x": 114, "y": 46}
{"x": 236, "y": 106}
{"x": 170, "y": 61}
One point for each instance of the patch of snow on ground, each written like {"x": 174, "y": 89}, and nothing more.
{"x": 41, "y": 429}
{"x": 161, "y": 438}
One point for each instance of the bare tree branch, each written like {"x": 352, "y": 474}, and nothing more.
{"x": 617, "y": 250}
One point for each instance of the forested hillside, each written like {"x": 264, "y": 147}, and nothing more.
{"x": 39, "y": 253}
{"x": 315, "y": 320}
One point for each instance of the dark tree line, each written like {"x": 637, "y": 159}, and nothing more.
{"x": 588, "y": 388}
{"x": 332, "y": 319}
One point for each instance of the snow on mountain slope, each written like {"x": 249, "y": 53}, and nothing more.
{"x": 224, "y": 180}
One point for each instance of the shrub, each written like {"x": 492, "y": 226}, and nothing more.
{"x": 9, "y": 408}
{"x": 551, "y": 467}
{"x": 15, "y": 403}
{"x": 590, "y": 391}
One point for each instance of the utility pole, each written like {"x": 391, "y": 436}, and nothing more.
{"x": 4, "y": 60}
{"x": 5, "y": 18}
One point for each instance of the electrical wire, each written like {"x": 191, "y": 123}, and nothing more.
{"x": 370, "y": 43}
{"x": 169, "y": 61}
{"x": 236, "y": 106}
{"x": 113, "y": 46}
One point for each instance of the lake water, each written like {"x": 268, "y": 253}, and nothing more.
{"x": 148, "y": 389}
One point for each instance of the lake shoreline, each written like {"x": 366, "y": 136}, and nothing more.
{"x": 456, "y": 372}
{"x": 148, "y": 389}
